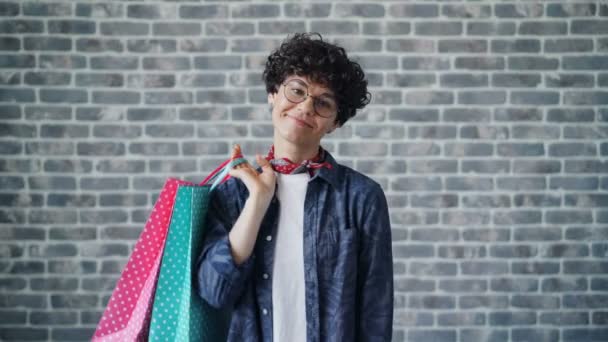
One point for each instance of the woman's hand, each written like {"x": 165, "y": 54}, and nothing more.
{"x": 261, "y": 186}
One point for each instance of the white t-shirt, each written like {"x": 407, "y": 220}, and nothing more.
{"x": 288, "y": 287}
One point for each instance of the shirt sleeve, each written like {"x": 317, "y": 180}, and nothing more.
{"x": 375, "y": 279}
{"x": 220, "y": 281}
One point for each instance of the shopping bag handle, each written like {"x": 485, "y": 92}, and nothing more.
{"x": 220, "y": 174}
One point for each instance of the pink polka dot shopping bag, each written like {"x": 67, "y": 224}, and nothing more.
{"x": 171, "y": 238}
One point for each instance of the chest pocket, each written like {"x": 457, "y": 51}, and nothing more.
{"x": 337, "y": 250}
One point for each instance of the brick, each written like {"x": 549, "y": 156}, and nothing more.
{"x": 100, "y": 10}
{"x": 568, "y": 45}
{"x": 484, "y": 132}
{"x": 122, "y": 200}
{"x": 279, "y": 27}
{"x": 437, "y": 28}
{"x": 461, "y": 252}
{"x": 503, "y": 284}
{"x": 176, "y": 29}
{"x": 513, "y": 251}
{"x": 584, "y": 334}
{"x": 431, "y": 302}
{"x": 536, "y": 334}
{"x": 479, "y": 335}
{"x": 71, "y": 26}
{"x": 410, "y": 45}
{"x": 430, "y": 269}
{"x": 434, "y": 234}
{"x": 571, "y": 10}
{"x": 539, "y": 28}
{"x": 307, "y": 10}
{"x": 345, "y": 10}
{"x": 334, "y": 27}
{"x": 574, "y": 183}
{"x": 360, "y": 44}
{"x": 459, "y": 319}
{"x": 564, "y": 284}
{"x": 200, "y": 148}
{"x": 535, "y": 268}
{"x": 572, "y": 149}
{"x": 417, "y": 183}
{"x": 9, "y": 9}
{"x": 485, "y": 201}
{"x": 466, "y": 11}
{"x": 13, "y": 317}
{"x": 463, "y": 285}
{"x": 516, "y": 80}
{"x": 105, "y": 216}
{"x": 463, "y": 46}
{"x": 469, "y": 183}
{"x": 54, "y": 318}
{"x": 123, "y": 28}
{"x": 585, "y": 132}
{"x": 464, "y": 80}
{"x": 484, "y": 267}
{"x": 487, "y": 301}
{"x": 410, "y": 80}
{"x": 121, "y": 166}
{"x": 480, "y": 63}
{"x": 54, "y": 284}
{"x": 429, "y": 97}
{"x": 431, "y": 335}
{"x": 585, "y": 63}
{"x": 532, "y": 63}
{"x": 203, "y": 11}
{"x": 70, "y": 200}
{"x": 72, "y": 233}
{"x": 585, "y": 267}
{"x": 482, "y": 97}
{"x": 23, "y": 334}
{"x": 413, "y": 10}
{"x": 589, "y": 26}
{"x": 522, "y": 10}
{"x": 520, "y": 149}
{"x": 386, "y": 28}
{"x": 482, "y": 28}
{"x": 116, "y": 97}
{"x": 535, "y": 132}
{"x": 10, "y": 44}
{"x": 511, "y": 318}
{"x": 600, "y": 318}
{"x": 21, "y": 26}
{"x": 586, "y": 166}
{"x": 569, "y": 81}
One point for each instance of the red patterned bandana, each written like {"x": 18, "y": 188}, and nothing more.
{"x": 286, "y": 166}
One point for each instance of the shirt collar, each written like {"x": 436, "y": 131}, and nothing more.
{"x": 329, "y": 174}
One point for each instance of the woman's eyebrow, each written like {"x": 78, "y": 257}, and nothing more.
{"x": 332, "y": 96}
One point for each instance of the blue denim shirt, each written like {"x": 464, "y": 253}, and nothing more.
{"x": 348, "y": 267}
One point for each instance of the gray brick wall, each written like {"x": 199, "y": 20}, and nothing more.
{"x": 488, "y": 130}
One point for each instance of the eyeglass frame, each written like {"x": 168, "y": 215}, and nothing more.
{"x": 314, "y": 98}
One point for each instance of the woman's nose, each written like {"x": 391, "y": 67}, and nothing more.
{"x": 308, "y": 105}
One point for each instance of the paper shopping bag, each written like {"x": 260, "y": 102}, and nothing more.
{"x": 127, "y": 314}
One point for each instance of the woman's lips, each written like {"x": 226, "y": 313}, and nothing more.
{"x": 299, "y": 122}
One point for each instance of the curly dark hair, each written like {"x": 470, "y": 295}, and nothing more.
{"x": 306, "y": 54}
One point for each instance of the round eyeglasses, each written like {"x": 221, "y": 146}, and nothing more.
{"x": 296, "y": 91}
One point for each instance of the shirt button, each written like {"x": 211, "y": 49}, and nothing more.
{"x": 265, "y": 275}
{"x": 264, "y": 312}
{"x": 269, "y": 238}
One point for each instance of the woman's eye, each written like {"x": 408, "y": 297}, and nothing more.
{"x": 297, "y": 91}
{"x": 327, "y": 104}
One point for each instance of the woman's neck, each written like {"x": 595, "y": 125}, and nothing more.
{"x": 296, "y": 154}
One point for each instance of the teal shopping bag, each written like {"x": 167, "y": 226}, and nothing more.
{"x": 178, "y": 313}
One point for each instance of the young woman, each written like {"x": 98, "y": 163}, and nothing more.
{"x": 300, "y": 248}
